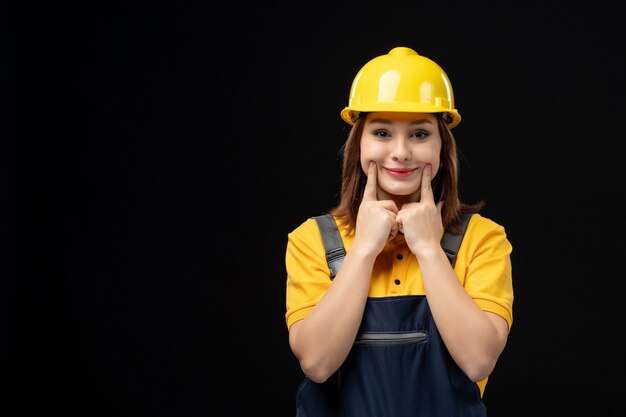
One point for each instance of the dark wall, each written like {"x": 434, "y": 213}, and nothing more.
{"x": 155, "y": 156}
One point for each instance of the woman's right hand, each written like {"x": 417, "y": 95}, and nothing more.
{"x": 376, "y": 221}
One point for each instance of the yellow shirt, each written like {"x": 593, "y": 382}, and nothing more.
{"x": 483, "y": 267}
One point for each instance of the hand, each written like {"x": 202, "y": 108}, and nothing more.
{"x": 376, "y": 221}
{"x": 421, "y": 221}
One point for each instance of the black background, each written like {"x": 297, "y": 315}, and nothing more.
{"x": 155, "y": 156}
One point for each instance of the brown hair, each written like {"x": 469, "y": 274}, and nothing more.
{"x": 445, "y": 182}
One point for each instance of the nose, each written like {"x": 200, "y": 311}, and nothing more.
{"x": 401, "y": 150}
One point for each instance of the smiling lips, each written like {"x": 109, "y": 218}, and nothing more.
{"x": 400, "y": 172}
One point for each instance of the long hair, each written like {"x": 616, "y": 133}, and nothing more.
{"x": 445, "y": 183}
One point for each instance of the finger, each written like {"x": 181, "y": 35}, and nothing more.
{"x": 395, "y": 228}
{"x": 369, "y": 194}
{"x": 426, "y": 194}
{"x": 439, "y": 206}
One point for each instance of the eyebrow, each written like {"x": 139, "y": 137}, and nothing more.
{"x": 413, "y": 122}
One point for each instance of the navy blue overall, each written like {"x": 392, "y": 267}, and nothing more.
{"x": 398, "y": 367}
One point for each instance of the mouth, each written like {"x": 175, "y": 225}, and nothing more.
{"x": 400, "y": 172}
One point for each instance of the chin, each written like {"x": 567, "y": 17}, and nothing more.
{"x": 400, "y": 192}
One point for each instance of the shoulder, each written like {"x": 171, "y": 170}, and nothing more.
{"x": 306, "y": 250}
{"x": 478, "y": 221}
{"x": 309, "y": 234}
{"x": 306, "y": 236}
{"x": 307, "y": 229}
{"x": 484, "y": 229}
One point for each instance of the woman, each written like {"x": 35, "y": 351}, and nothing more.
{"x": 399, "y": 194}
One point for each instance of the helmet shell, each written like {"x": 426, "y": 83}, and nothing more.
{"x": 401, "y": 81}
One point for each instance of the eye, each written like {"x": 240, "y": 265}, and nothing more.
{"x": 420, "y": 134}
{"x": 382, "y": 133}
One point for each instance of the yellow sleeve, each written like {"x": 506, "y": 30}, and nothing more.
{"x": 484, "y": 262}
{"x": 308, "y": 275}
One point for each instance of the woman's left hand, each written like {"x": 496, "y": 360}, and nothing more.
{"x": 421, "y": 221}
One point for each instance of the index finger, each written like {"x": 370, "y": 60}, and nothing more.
{"x": 369, "y": 194}
{"x": 426, "y": 194}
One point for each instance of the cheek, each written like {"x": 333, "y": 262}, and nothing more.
{"x": 364, "y": 162}
{"x": 371, "y": 152}
{"x": 433, "y": 156}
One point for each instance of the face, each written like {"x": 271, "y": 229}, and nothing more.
{"x": 401, "y": 144}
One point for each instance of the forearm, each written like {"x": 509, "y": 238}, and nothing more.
{"x": 322, "y": 341}
{"x": 470, "y": 335}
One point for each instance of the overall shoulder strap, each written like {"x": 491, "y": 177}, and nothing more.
{"x": 333, "y": 244}
{"x": 451, "y": 242}
{"x": 335, "y": 251}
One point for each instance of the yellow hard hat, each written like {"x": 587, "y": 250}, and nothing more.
{"x": 401, "y": 81}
